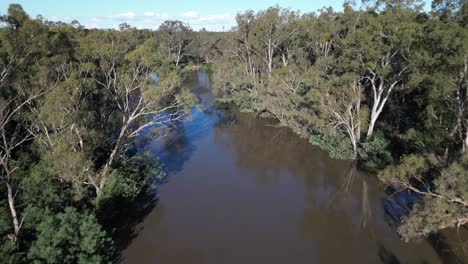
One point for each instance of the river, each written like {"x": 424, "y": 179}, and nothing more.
{"x": 240, "y": 190}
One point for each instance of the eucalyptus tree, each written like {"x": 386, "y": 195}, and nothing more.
{"x": 445, "y": 200}
{"x": 442, "y": 63}
{"x": 140, "y": 101}
{"x": 384, "y": 52}
{"x": 176, "y": 36}
{"x": 270, "y": 31}
{"x": 21, "y": 53}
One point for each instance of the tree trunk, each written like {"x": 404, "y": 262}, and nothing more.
{"x": 353, "y": 141}
{"x": 179, "y": 52}
{"x": 465, "y": 145}
{"x": 285, "y": 61}
{"x": 105, "y": 170}
{"x": 370, "y": 130}
{"x": 270, "y": 57}
{"x": 11, "y": 204}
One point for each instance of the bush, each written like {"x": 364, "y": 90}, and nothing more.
{"x": 71, "y": 237}
{"x": 374, "y": 152}
{"x": 337, "y": 144}
{"x": 131, "y": 177}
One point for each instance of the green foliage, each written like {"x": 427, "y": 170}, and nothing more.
{"x": 453, "y": 180}
{"x": 411, "y": 167}
{"x": 71, "y": 237}
{"x": 66, "y": 92}
{"x": 330, "y": 76}
{"x": 337, "y": 144}
{"x": 374, "y": 152}
{"x": 131, "y": 177}
{"x": 209, "y": 67}
{"x": 316, "y": 73}
{"x": 45, "y": 195}
{"x": 438, "y": 211}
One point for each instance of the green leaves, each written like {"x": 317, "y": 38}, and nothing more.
{"x": 337, "y": 144}
{"x": 442, "y": 207}
{"x": 71, "y": 237}
{"x": 410, "y": 167}
{"x": 374, "y": 152}
{"x": 131, "y": 177}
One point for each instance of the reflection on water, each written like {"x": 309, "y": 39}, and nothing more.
{"x": 242, "y": 191}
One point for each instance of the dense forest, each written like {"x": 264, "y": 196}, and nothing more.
{"x": 383, "y": 83}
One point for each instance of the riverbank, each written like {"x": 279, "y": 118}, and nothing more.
{"x": 241, "y": 190}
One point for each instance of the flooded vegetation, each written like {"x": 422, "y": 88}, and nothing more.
{"x": 240, "y": 190}
{"x": 290, "y": 136}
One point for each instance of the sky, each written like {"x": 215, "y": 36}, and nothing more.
{"x": 213, "y": 15}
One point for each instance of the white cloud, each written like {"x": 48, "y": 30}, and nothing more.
{"x": 216, "y": 17}
{"x": 127, "y": 15}
{"x": 94, "y": 25}
{"x": 190, "y": 14}
{"x": 153, "y": 19}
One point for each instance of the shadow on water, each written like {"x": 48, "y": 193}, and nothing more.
{"x": 386, "y": 256}
{"x": 177, "y": 146}
{"x": 123, "y": 216}
{"x": 279, "y": 200}
{"x": 173, "y": 149}
{"x": 398, "y": 204}
{"x": 440, "y": 243}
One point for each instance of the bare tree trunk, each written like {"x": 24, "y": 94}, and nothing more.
{"x": 381, "y": 95}
{"x": 11, "y": 205}
{"x": 105, "y": 170}
{"x": 11, "y": 200}
{"x": 270, "y": 57}
{"x": 370, "y": 130}
{"x": 285, "y": 61}
{"x": 465, "y": 145}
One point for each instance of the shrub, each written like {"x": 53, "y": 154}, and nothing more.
{"x": 71, "y": 237}
{"x": 374, "y": 152}
{"x": 337, "y": 144}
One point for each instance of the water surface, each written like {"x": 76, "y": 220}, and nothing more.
{"x": 240, "y": 190}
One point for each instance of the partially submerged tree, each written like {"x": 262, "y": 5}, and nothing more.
{"x": 444, "y": 202}
{"x": 141, "y": 100}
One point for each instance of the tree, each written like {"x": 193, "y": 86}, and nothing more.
{"x": 342, "y": 105}
{"x": 141, "y": 102}
{"x": 16, "y": 16}
{"x": 176, "y": 37}
{"x": 269, "y": 33}
{"x": 71, "y": 237}
{"x": 20, "y": 93}
{"x": 384, "y": 52}
{"x": 443, "y": 205}
{"x": 65, "y": 92}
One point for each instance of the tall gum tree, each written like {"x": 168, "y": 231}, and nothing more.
{"x": 23, "y": 45}
{"x": 141, "y": 102}
{"x": 384, "y": 49}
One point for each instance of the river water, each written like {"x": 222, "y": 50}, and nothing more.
{"x": 240, "y": 190}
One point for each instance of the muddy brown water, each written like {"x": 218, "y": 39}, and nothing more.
{"x": 240, "y": 190}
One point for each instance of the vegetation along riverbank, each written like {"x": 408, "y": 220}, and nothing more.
{"x": 382, "y": 83}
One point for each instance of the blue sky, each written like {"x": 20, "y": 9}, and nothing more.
{"x": 211, "y": 14}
